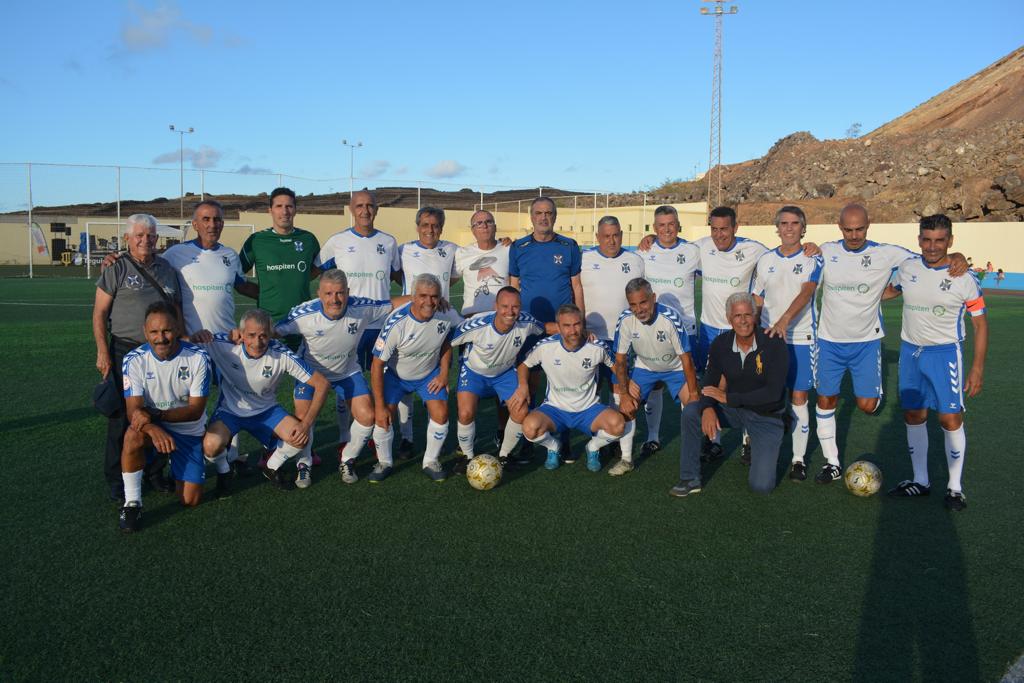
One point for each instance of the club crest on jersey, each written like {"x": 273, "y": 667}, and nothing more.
{"x": 184, "y": 373}
{"x": 441, "y": 327}
{"x": 865, "y": 260}
{"x": 267, "y": 372}
{"x": 798, "y": 268}
{"x": 380, "y": 248}
{"x": 299, "y": 246}
{"x": 625, "y": 267}
{"x": 662, "y": 336}
{"x": 517, "y": 342}
{"x": 681, "y": 259}
{"x": 442, "y": 252}
{"x": 133, "y": 282}
{"x": 740, "y": 256}
{"x": 945, "y": 285}
{"x": 558, "y": 259}
{"x": 226, "y": 261}
{"x": 353, "y": 328}
{"x": 587, "y": 363}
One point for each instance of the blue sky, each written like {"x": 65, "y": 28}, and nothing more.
{"x": 602, "y": 96}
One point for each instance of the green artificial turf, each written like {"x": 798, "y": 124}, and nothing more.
{"x": 553, "y": 575}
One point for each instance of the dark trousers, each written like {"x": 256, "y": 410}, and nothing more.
{"x": 118, "y": 424}
{"x": 765, "y": 432}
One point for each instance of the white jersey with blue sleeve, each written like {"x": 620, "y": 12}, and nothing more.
{"x": 604, "y": 281}
{"x": 489, "y": 352}
{"x": 571, "y": 375}
{"x": 724, "y": 273}
{"x": 330, "y": 345}
{"x": 248, "y": 386}
{"x": 853, "y": 282}
{"x": 778, "y": 279}
{"x": 672, "y": 272}
{"x": 656, "y": 344}
{"x": 167, "y": 384}
{"x": 438, "y": 261}
{"x": 411, "y": 347}
{"x": 934, "y": 303}
{"x": 368, "y": 261}
{"x": 210, "y": 276}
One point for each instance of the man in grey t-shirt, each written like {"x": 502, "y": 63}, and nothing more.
{"x": 123, "y": 292}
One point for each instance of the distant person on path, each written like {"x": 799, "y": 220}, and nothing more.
{"x": 1000, "y": 276}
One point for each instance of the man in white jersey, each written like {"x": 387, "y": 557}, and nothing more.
{"x": 784, "y": 285}
{"x": 483, "y": 266}
{"x": 412, "y": 355}
{"x": 855, "y": 273}
{"x": 166, "y": 384}
{"x": 671, "y": 265}
{"x": 655, "y": 335}
{"x": 605, "y": 270}
{"x": 931, "y": 363}
{"x": 248, "y": 374}
{"x": 571, "y": 364}
{"x": 331, "y": 327}
{"x": 492, "y": 342}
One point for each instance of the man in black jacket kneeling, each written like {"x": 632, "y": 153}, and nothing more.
{"x": 744, "y": 386}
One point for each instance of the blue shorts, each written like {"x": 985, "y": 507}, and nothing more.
{"x": 345, "y": 388}
{"x": 261, "y": 425}
{"x": 187, "y": 462}
{"x": 862, "y": 359}
{"x": 502, "y": 386}
{"x": 364, "y": 352}
{"x": 564, "y": 420}
{"x": 675, "y": 380}
{"x": 801, "y": 367}
{"x": 931, "y": 377}
{"x": 705, "y": 335}
{"x": 396, "y": 388}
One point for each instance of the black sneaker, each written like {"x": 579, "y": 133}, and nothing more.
{"x": 380, "y": 473}
{"x": 131, "y": 517}
{"x": 242, "y": 468}
{"x": 650, "y": 448}
{"x": 223, "y": 489}
{"x": 745, "y": 454}
{"x": 274, "y": 477}
{"x": 405, "y": 450}
{"x": 828, "y": 474}
{"x": 908, "y": 488}
{"x": 159, "y": 483}
{"x": 685, "y": 488}
{"x": 798, "y": 471}
{"x": 524, "y": 454}
{"x": 710, "y": 451}
{"x": 955, "y": 500}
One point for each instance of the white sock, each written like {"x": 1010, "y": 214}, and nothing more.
{"x": 652, "y": 409}
{"x": 132, "y": 486}
{"x": 826, "y": 429}
{"x": 801, "y": 431}
{"x": 436, "y": 434}
{"x": 600, "y": 440}
{"x": 746, "y": 438}
{"x": 513, "y": 430}
{"x": 221, "y": 463}
{"x": 956, "y": 449}
{"x": 359, "y": 436}
{"x": 344, "y": 422}
{"x": 282, "y": 454}
{"x": 306, "y": 456}
{"x": 626, "y": 442}
{"x": 548, "y": 441}
{"x": 917, "y": 444}
{"x": 405, "y": 417}
{"x": 232, "y": 452}
{"x": 382, "y": 439}
{"x": 467, "y": 437}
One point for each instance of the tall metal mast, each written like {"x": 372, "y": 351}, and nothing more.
{"x": 715, "y": 145}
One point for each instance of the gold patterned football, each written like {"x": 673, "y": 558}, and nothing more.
{"x": 863, "y": 478}
{"x": 483, "y": 472}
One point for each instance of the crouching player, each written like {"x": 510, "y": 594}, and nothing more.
{"x": 331, "y": 327}
{"x": 166, "y": 383}
{"x": 249, "y": 373}
{"x": 571, "y": 364}
{"x": 491, "y": 344}
{"x": 656, "y": 335}
{"x": 413, "y": 348}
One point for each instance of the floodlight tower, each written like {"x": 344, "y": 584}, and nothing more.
{"x": 715, "y": 146}
{"x": 351, "y": 162}
{"x": 181, "y": 162}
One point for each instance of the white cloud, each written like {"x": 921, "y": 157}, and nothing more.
{"x": 374, "y": 169}
{"x": 204, "y": 157}
{"x": 246, "y": 169}
{"x": 448, "y": 168}
{"x": 147, "y": 29}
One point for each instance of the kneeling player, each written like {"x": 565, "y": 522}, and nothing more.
{"x": 492, "y": 341}
{"x": 249, "y": 374}
{"x": 571, "y": 364}
{"x": 656, "y": 334}
{"x": 166, "y": 383}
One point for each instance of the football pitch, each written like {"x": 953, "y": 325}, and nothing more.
{"x": 553, "y": 575}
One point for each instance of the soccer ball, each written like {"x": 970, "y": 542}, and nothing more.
{"x": 483, "y": 472}
{"x": 863, "y": 478}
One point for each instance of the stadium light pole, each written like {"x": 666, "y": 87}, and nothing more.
{"x": 715, "y": 146}
{"x": 351, "y": 163}
{"x": 181, "y": 163}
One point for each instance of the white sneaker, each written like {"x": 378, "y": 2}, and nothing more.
{"x": 621, "y": 467}
{"x": 303, "y": 479}
{"x": 348, "y": 471}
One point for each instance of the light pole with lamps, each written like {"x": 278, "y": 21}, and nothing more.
{"x": 351, "y": 162}
{"x": 181, "y": 163}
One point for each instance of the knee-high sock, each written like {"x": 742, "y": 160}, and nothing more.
{"x": 405, "y": 417}
{"x": 282, "y": 454}
{"x": 467, "y": 437}
{"x": 917, "y": 444}
{"x": 359, "y": 436}
{"x": 382, "y": 439}
{"x": 603, "y": 438}
{"x": 232, "y": 452}
{"x": 513, "y": 430}
{"x": 306, "y": 456}
{"x": 344, "y": 422}
{"x": 626, "y": 442}
{"x": 826, "y": 430}
{"x": 220, "y": 462}
{"x": 548, "y": 441}
{"x": 652, "y": 409}
{"x": 132, "y": 486}
{"x": 956, "y": 450}
{"x": 436, "y": 434}
{"x": 801, "y": 431}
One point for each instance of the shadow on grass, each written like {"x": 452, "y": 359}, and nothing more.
{"x": 916, "y": 622}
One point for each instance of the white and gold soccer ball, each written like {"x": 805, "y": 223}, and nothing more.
{"x": 863, "y": 478}
{"x": 483, "y": 472}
